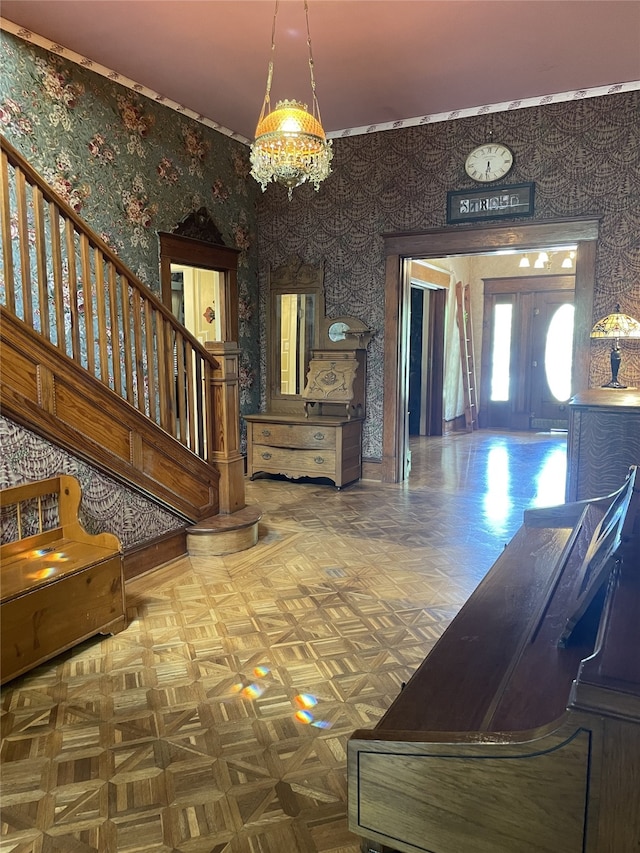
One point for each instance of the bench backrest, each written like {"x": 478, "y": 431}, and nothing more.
{"x": 42, "y": 511}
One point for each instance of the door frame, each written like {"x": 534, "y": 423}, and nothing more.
{"x": 470, "y": 240}
{"x": 190, "y": 252}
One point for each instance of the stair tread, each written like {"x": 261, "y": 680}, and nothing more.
{"x": 244, "y": 517}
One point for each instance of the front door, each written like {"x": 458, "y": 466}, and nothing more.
{"x": 526, "y": 352}
{"x": 551, "y": 346}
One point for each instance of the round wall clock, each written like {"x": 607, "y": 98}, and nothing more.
{"x": 489, "y": 162}
{"x": 337, "y": 331}
{"x": 344, "y": 333}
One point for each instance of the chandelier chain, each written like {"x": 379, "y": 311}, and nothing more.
{"x": 316, "y": 107}
{"x": 266, "y": 106}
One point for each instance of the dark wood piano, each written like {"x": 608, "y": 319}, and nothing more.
{"x": 520, "y": 731}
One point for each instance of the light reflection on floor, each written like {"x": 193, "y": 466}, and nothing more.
{"x": 304, "y": 702}
{"x": 552, "y": 477}
{"x": 497, "y": 500}
{"x": 549, "y": 482}
{"x": 500, "y": 473}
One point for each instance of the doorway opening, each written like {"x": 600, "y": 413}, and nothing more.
{"x": 429, "y": 285}
{"x": 195, "y": 299}
{"x": 521, "y": 366}
{"x": 471, "y": 242}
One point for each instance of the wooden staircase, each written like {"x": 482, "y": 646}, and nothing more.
{"x": 94, "y": 362}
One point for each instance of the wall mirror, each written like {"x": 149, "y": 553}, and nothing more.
{"x": 296, "y": 306}
{"x": 198, "y": 275}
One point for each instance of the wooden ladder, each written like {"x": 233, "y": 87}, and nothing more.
{"x": 467, "y": 356}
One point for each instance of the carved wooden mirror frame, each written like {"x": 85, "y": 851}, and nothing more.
{"x": 292, "y": 278}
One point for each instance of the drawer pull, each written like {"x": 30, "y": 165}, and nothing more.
{"x": 266, "y": 432}
{"x": 319, "y": 436}
{"x": 318, "y": 460}
{"x": 266, "y": 455}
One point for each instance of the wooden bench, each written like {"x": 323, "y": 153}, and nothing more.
{"x": 59, "y": 584}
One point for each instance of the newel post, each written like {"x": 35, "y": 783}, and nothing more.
{"x": 225, "y": 418}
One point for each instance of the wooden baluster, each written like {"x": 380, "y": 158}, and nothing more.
{"x": 115, "y": 328}
{"x": 181, "y": 390}
{"x": 136, "y": 306}
{"x": 19, "y": 519}
{"x": 101, "y": 311}
{"x": 151, "y": 361}
{"x": 70, "y": 236}
{"x": 128, "y": 343}
{"x": 23, "y": 238}
{"x": 41, "y": 261}
{"x": 58, "y": 282}
{"x": 163, "y": 352}
{"x": 7, "y": 248}
{"x": 200, "y": 415}
{"x": 189, "y": 381}
{"x": 87, "y": 302}
{"x": 40, "y": 515}
{"x": 207, "y": 411}
{"x": 171, "y": 367}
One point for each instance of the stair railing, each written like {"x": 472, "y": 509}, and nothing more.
{"x": 64, "y": 282}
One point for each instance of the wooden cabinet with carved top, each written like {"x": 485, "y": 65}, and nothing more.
{"x": 336, "y": 382}
{"x": 299, "y": 446}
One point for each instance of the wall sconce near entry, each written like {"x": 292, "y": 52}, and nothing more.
{"x": 616, "y": 326}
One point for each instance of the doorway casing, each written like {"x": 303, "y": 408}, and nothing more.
{"x": 436, "y": 243}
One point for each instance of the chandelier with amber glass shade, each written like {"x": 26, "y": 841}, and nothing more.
{"x": 290, "y": 145}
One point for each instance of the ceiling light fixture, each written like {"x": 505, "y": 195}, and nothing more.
{"x": 290, "y": 146}
{"x": 616, "y": 326}
{"x": 524, "y": 262}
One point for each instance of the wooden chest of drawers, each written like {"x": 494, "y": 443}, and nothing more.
{"x": 295, "y": 446}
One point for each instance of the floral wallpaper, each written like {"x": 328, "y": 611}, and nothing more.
{"x": 583, "y": 155}
{"x": 130, "y": 167}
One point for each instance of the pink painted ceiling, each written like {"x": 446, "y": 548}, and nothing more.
{"x": 376, "y": 61}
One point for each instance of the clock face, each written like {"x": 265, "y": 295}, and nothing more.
{"x": 337, "y": 331}
{"x": 489, "y": 162}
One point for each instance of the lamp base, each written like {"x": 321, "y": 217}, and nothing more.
{"x": 613, "y": 384}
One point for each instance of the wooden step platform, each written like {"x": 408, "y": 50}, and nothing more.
{"x": 224, "y": 534}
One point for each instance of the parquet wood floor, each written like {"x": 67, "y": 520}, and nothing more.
{"x": 187, "y": 732}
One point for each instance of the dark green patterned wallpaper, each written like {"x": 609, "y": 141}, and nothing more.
{"x": 130, "y": 168}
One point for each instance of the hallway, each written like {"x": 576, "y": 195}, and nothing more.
{"x": 218, "y": 720}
